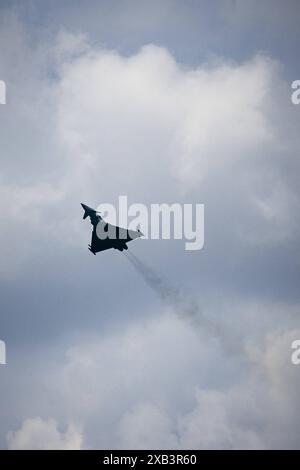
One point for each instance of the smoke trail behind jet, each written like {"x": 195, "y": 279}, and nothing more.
{"x": 185, "y": 306}
{"x": 181, "y": 303}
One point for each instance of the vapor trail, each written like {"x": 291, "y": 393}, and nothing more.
{"x": 184, "y": 305}
{"x": 166, "y": 293}
{"x": 180, "y": 301}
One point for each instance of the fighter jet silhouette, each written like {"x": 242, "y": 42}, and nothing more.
{"x": 106, "y": 236}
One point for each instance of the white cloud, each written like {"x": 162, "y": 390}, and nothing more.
{"x": 165, "y": 383}
{"x": 39, "y": 434}
{"x": 197, "y": 120}
{"x": 215, "y": 424}
{"x": 146, "y": 427}
{"x": 150, "y": 128}
{"x": 145, "y": 126}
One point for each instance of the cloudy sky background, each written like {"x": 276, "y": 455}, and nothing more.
{"x": 164, "y": 101}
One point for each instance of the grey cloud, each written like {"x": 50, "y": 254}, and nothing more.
{"x": 89, "y": 118}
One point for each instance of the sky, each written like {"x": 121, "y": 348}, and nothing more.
{"x": 162, "y": 101}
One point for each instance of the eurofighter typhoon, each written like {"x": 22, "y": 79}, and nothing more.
{"x": 105, "y": 235}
